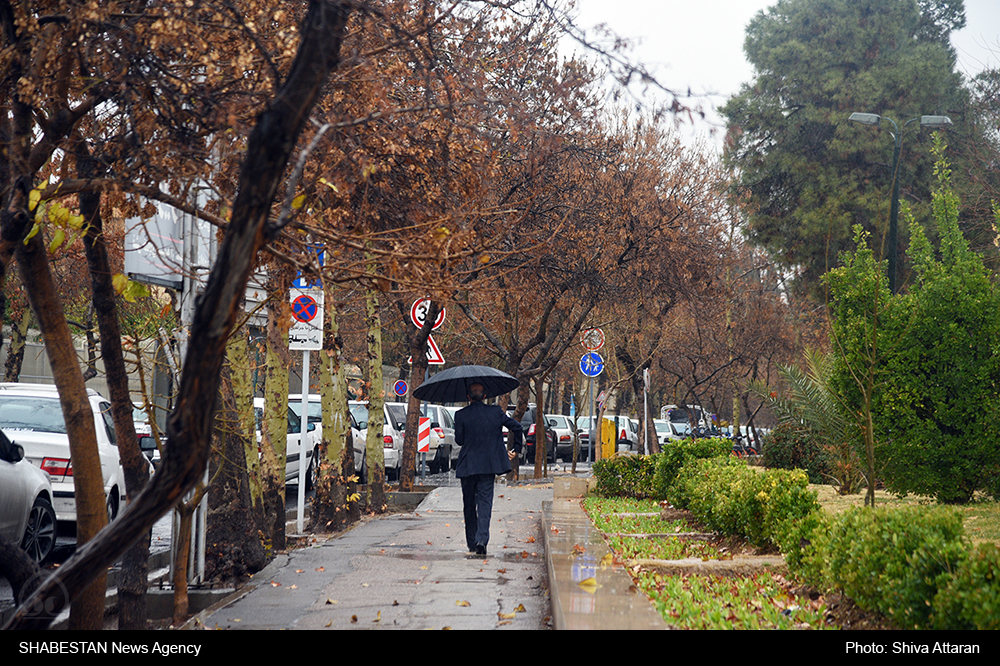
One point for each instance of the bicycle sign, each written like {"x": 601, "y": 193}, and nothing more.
{"x": 591, "y": 364}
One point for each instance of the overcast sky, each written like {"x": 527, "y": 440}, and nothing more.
{"x": 698, "y": 44}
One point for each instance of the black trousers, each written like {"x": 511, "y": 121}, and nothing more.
{"x": 477, "y": 503}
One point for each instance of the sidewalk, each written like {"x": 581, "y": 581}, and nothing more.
{"x": 407, "y": 571}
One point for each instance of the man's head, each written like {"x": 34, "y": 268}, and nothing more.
{"x": 476, "y": 392}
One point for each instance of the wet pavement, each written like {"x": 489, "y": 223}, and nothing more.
{"x": 407, "y": 571}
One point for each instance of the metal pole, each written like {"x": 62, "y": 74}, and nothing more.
{"x": 303, "y": 433}
{"x": 590, "y": 440}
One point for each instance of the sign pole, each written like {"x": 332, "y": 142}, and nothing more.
{"x": 303, "y": 433}
{"x": 590, "y": 440}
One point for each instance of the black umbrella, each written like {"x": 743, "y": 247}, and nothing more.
{"x": 452, "y": 385}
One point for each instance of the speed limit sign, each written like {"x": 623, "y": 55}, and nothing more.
{"x": 418, "y": 313}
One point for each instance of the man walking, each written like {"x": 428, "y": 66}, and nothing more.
{"x": 479, "y": 431}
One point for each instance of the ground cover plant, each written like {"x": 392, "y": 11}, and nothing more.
{"x": 760, "y": 601}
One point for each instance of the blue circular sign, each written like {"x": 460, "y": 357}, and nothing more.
{"x": 591, "y": 364}
{"x": 400, "y": 388}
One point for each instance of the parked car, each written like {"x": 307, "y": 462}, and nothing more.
{"x": 315, "y": 429}
{"x": 291, "y": 442}
{"x": 528, "y": 425}
{"x": 563, "y": 428}
{"x": 394, "y": 433}
{"x": 31, "y": 416}
{"x": 26, "y": 513}
{"x": 443, "y": 427}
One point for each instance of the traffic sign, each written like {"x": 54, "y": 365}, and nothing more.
{"x": 424, "y": 435}
{"x": 591, "y": 364}
{"x": 592, "y": 339}
{"x": 306, "y": 332}
{"x": 400, "y": 388}
{"x": 305, "y": 308}
{"x": 312, "y": 282}
{"x": 418, "y": 313}
{"x": 433, "y": 353}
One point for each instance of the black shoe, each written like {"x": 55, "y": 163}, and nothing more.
{"x": 480, "y": 549}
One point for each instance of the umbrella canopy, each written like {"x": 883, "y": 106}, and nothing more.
{"x": 452, "y": 385}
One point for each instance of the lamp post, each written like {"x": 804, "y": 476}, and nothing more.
{"x": 934, "y": 122}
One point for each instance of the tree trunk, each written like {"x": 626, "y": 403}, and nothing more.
{"x": 274, "y": 429}
{"x": 376, "y": 415}
{"x": 18, "y": 341}
{"x": 330, "y": 511}
{"x": 238, "y": 354}
{"x": 134, "y": 578}
{"x": 18, "y": 569}
{"x": 541, "y": 437}
{"x": 232, "y": 544}
{"x": 87, "y": 611}
{"x": 189, "y": 425}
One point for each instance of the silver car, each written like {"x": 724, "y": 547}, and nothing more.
{"x": 26, "y": 513}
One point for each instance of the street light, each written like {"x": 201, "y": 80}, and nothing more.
{"x": 933, "y": 122}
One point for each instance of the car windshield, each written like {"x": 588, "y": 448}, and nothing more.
{"x": 397, "y": 413}
{"x": 360, "y": 413}
{"x": 32, "y": 413}
{"x": 316, "y": 411}
{"x": 662, "y": 426}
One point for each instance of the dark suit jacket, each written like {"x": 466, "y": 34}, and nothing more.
{"x": 479, "y": 431}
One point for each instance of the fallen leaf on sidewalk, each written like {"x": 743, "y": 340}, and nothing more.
{"x": 293, "y": 587}
{"x": 378, "y": 617}
{"x": 520, "y": 609}
{"x": 320, "y": 568}
{"x": 506, "y": 616}
{"x": 462, "y": 603}
{"x": 588, "y": 585}
{"x": 555, "y": 530}
{"x": 332, "y": 601}
{"x": 275, "y": 583}
{"x": 300, "y": 571}
{"x": 577, "y": 548}
{"x": 354, "y": 619}
{"x": 530, "y": 540}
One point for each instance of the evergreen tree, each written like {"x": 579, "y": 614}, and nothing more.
{"x": 808, "y": 174}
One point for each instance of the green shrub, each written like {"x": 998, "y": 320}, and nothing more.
{"x": 728, "y": 497}
{"x": 971, "y": 599}
{"x": 784, "y": 448}
{"x": 626, "y": 476}
{"x": 892, "y": 561}
{"x": 674, "y": 454}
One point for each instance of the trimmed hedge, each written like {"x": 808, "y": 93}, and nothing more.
{"x": 894, "y": 561}
{"x": 911, "y": 564}
{"x": 651, "y": 476}
{"x": 727, "y": 496}
{"x": 971, "y": 599}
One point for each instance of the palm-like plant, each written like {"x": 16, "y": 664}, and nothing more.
{"x": 810, "y": 407}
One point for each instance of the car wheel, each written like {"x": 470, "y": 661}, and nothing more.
{"x": 113, "y": 504}
{"x": 40, "y": 535}
{"x": 311, "y": 473}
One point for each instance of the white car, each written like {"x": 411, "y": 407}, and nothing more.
{"x": 393, "y": 434}
{"x": 26, "y": 513}
{"x": 31, "y": 416}
{"x": 315, "y": 425}
{"x": 291, "y": 442}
